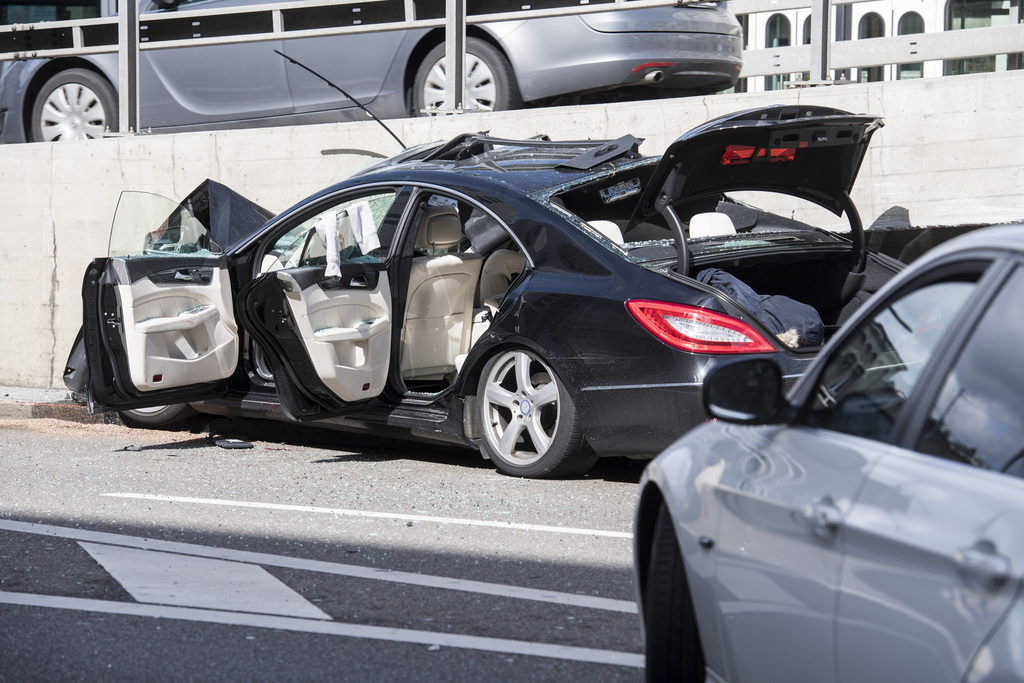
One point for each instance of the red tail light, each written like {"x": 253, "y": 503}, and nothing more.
{"x": 697, "y": 330}
{"x": 654, "y": 65}
{"x": 737, "y": 155}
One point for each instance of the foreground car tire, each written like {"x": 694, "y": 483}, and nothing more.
{"x": 530, "y": 425}
{"x": 490, "y": 82}
{"x": 670, "y": 627}
{"x": 156, "y": 416}
{"x": 76, "y": 104}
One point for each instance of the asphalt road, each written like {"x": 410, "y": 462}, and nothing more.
{"x": 136, "y": 555}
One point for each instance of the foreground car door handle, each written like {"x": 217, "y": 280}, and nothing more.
{"x": 822, "y": 516}
{"x": 982, "y": 566}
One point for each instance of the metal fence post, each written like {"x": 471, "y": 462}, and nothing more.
{"x": 128, "y": 66}
{"x": 821, "y": 43}
{"x": 455, "y": 56}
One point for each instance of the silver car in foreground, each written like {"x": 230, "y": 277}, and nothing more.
{"x": 691, "y": 48}
{"x": 867, "y": 525}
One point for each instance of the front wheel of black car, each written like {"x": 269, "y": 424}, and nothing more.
{"x": 490, "y": 81}
{"x": 156, "y": 416}
{"x": 529, "y": 421}
{"x": 77, "y": 104}
{"x": 673, "y": 646}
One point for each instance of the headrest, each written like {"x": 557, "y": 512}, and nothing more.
{"x": 608, "y": 229}
{"x": 711, "y": 225}
{"x": 440, "y": 229}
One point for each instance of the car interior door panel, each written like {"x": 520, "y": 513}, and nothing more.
{"x": 346, "y": 331}
{"x": 174, "y": 331}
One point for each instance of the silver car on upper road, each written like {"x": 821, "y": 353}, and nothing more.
{"x": 866, "y": 527}
{"x": 690, "y": 48}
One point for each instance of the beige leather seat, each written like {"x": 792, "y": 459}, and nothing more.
{"x": 501, "y": 267}
{"x": 439, "y": 308}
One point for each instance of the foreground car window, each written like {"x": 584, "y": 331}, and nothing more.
{"x": 302, "y": 246}
{"x": 147, "y": 224}
{"x": 978, "y": 417}
{"x": 868, "y": 379}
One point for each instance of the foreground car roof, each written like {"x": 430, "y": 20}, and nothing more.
{"x": 527, "y": 165}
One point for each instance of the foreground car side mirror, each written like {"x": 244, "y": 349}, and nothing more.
{"x": 748, "y": 391}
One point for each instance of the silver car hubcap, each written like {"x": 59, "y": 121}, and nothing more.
{"x": 520, "y": 407}
{"x": 73, "y": 112}
{"x": 481, "y": 90}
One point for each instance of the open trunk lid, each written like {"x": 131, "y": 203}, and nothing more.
{"x": 809, "y": 152}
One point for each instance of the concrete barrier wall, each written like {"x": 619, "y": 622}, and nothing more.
{"x": 950, "y": 154}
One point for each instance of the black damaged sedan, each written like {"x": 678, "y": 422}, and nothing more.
{"x": 544, "y": 302}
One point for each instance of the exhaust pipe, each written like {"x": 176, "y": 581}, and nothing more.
{"x": 653, "y": 77}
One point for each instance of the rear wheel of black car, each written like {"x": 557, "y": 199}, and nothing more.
{"x": 672, "y": 642}
{"x": 156, "y": 416}
{"x": 76, "y": 104}
{"x": 529, "y": 421}
{"x": 490, "y": 81}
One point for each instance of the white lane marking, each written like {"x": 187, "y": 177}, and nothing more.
{"x": 395, "y": 635}
{"x": 186, "y": 581}
{"x": 375, "y": 515}
{"x": 355, "y": 571}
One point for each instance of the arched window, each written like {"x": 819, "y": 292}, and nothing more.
{"x": 871, "y": 26}
{"x": 778, "y": 33}
{"x": 807, "y": 31}
{"x": 910, "y": 23}
{"x": 962, "y": 14}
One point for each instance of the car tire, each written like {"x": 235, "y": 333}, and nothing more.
{"x": 673, "y": 648}
{"x": 490, "y": 81}
{"x": 156, "y": 416}
{"x": 76, "y": 104}
{"x": 529, "y": 421}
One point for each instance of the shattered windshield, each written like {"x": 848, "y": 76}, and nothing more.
{"x": 147, "y": 224}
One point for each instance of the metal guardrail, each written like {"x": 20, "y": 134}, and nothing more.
{"x": 129, "y": 33}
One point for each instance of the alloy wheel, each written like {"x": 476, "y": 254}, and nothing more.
{"x": 520, "y": 407}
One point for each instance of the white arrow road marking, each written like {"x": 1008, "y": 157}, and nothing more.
{"x": 395, "y": 635}
{"x": 517, "y": 526}
{"x": 167, "y": 579}
{"x": 355, "y": 571}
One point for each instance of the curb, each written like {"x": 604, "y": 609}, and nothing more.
{"x": 69, "y": 412}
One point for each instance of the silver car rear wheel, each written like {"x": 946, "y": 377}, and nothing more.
{"x": 76, "y": 104}
{"x": 529, "y": 421}
{"x": 490, "y": 83}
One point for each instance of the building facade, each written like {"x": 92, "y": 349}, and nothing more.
{"x": 877, "y": 19}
